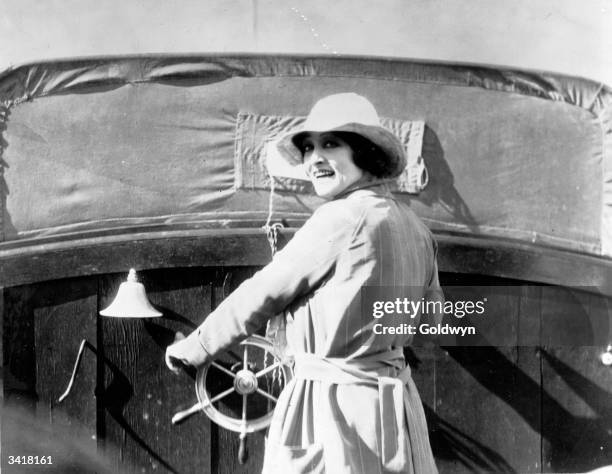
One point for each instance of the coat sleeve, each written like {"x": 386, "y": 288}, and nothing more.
{"x": 295, "y": 270}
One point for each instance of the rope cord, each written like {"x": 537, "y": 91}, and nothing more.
{"x": 272, "y": 231}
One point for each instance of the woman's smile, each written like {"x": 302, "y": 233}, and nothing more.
{"x": 329, "y": 163}
{"x": 322, "y": 173}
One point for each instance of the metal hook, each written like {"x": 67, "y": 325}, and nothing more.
{"x": 77, "y": 364}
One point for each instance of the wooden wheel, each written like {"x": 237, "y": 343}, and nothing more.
{"x": 248, "y": 378}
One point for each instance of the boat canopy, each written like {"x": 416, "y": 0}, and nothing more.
{"x": 109, "y": 145}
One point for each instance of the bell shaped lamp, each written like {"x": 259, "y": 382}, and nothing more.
{"x": 131, "y": 301}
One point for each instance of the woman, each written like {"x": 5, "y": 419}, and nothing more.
{"x": 351, "y": 406}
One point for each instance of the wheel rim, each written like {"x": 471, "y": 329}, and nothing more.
{"x": 246, "y": 384}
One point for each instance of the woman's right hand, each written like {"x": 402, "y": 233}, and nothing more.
{"x": 185, "y": 351}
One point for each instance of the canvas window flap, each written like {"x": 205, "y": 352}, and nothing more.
{"x": 257, "y": 159}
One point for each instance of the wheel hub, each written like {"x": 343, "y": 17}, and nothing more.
{"x": 245, "y": 382}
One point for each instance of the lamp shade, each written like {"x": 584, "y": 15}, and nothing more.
{"x": 131, "y": 301}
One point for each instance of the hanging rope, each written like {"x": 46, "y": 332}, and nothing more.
{"x": 272, "y": 229}
{"x": 274, "y": 324}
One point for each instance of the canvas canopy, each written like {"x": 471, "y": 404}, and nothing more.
{"x": 105, "y": 145}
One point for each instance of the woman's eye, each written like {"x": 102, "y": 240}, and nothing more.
{"x": 306, "y": 148}
{"x": 330, "y": 144}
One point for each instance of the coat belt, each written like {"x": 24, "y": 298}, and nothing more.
{"x": 399, "y": 402}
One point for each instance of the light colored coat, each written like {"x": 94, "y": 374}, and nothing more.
{"x": 350, "y": 407}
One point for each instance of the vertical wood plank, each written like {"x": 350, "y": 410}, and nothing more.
{"x": 477, "y": 430}
{"x": 19, "y": 369}
{"x": 576, "y": 410}
{"x": 65, "y": 314}
{"x": 529, "y": 362}
{"x": 225, "y": 449}
{"x": 577, "y": 387}
{"x": 2, "y": 337}
{"x": 183, "y": 295}
{"x": 52, "y": 318}
{"x": 141, "y": 395}
{"x": 568, "y": 320}
{"x": 487, "y": 408}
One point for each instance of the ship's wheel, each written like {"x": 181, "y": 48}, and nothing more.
{"x": 239, "y": 390}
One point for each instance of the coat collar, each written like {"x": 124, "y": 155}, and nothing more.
{"x": 364, "y": 188}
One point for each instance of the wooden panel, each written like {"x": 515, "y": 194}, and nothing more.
{"x": 577, "y": 387}
{"x": 504, "y": 409}
{"x": 529, "y": 331}
{"x": 141, "y": 395}
{"x": 523, "y": 376}
{"x": 576, "y": 410}
{"x": 569, "y": 318}
{"x": 19, "y": 369}
{"x": 2, "y": 338}
{"x": 487, "y": 415}
{"x": 527, "y": 398}
{"x": 488, "y": 412}
{"x": 226, "y": 443}
{"x": 65, "y": 314}
{"x": 44, "y": 325}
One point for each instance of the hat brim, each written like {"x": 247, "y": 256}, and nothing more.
{"x": 383, "y": 138}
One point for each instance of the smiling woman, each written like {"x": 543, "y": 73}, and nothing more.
{"x": 329, "y": 163}
{"x": 342, "y": 146}
{"x": 362, "y": 236}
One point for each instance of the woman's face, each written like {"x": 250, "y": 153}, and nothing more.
{"x": 328, "y": 161}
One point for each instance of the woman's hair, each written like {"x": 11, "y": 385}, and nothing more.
{"x": 366, "y": 155}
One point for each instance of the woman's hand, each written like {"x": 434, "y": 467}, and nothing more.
{"x": 185, "y": 351}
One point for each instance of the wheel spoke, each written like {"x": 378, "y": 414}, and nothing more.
{"x": 267, "y": 369}
{"x": 218, "y": 397}
{"x": 267, "y": 395}
{"x": 223, "y": 369}
{"x": 244, "y": 410}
